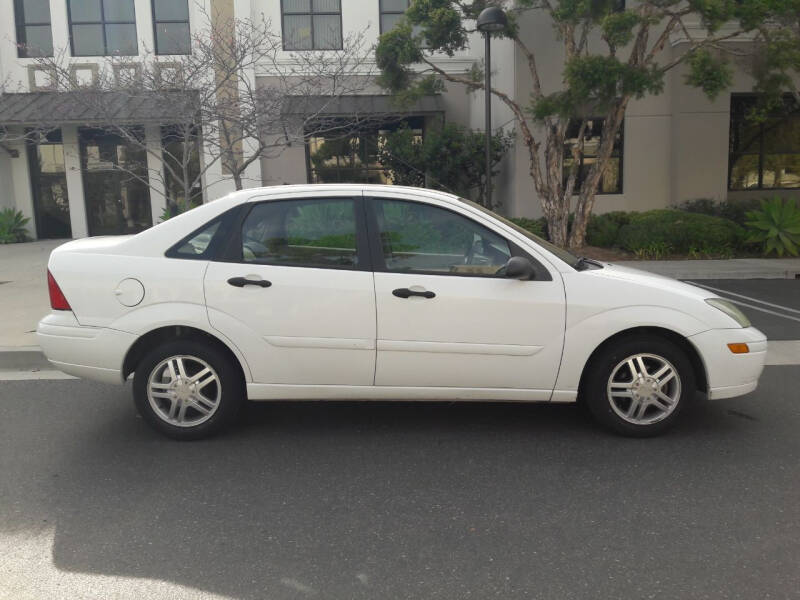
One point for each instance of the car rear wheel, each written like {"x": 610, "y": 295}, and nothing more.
{"x": 187, "y": 390}
{"x": 639, "y": 386}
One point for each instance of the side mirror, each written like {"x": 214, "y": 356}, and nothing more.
{"x": 519, "y": 267}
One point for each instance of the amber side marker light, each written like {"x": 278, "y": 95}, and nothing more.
{"x": 738, "y": 348}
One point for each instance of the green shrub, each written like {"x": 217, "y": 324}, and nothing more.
{"x": 603, "y": 230}
{"x": 672, "y": 231}
{"x": 12, "y": 226}
{"x": 735, "y": 210}
{"x": 535, "y": 226}
{"x": 776, "y": 226}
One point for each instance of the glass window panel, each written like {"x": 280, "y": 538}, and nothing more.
{"x": 394, "y": 5}
{"x": 198, "y": 244}
{"x": 782, "y": 135}
{"x": 297, "y": 32}
{"x": 85, "y": 10}
{"x": 327, "y": 32}
{"x": 421, "y": 238}
{"x": 172, "y": 38}
{"x": 121, "y": 39}
{"x": 310, "y": 233}
{"x": 38, "y": 41}
{"x": 87, "y": 40}
{"x": 296, "y": 6}
{"x": 49, "y": 186}
{"x": 36, "y": 11}
{"x": 388, "y": 21}
{"x": 781, "y": 171}
{"x": 327, "y": 6}
{"x": 119, "y": 10}
{"x": 171, "y": 10}
{"x": 744, "y": 173}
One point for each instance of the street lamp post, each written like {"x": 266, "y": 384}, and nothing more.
{"x": 492, "y": 18}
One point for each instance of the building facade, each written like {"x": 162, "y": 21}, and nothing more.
{"x": 77, "y": 179}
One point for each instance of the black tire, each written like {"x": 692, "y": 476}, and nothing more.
{"x": 595, "y": 389}
{"x": 228, "y": 396}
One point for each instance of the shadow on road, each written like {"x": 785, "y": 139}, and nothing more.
{"x": 396, "y": 500}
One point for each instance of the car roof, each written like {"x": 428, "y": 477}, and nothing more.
{"x": 366, "y": 188}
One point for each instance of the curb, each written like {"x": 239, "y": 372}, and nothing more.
{"x": 23, "y": 359}
{"x": 697, "y": 274}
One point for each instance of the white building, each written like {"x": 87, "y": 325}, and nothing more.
{"x": 674, "y": 147}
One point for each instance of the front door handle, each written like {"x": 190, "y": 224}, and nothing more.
{"x": 243, "y": 281}
{"x": 407, "y": 293}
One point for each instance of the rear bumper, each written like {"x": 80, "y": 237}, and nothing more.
{"x": 89, "y": 352}
{"x": 730, "y": 374}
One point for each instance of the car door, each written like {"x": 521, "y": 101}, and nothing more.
{"x": 295, "y": 291}
{"x": 445, "y": 317}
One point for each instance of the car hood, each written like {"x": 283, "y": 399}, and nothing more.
{"x": 668, "y": 285}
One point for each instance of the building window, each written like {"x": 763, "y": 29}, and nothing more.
{"x": 611, "y": 181}
{"x": 102, "y": 28}
{"x": 49, "y": 184}
{"x": 339, "y": 157}
{"x": 171, "y": 26}
{"x": 34, "y": 35}
{"x": 312, "y": 24}
{"x": 115, "y": 181}
{"x": 391, "y": 13}
{"x": 763, "y": 154}
{"x": 177, "y": 141}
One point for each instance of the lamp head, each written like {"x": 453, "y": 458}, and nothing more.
{"x": 492, "y": 18}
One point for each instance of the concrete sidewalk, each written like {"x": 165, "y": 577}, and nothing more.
{"x": 24, "y": 299}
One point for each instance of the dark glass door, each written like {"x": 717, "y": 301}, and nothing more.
{"x": 115, "y": 182}
{"x": 49, "y": 186}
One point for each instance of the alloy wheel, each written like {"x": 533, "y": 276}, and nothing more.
{"x": 184, "y": 391}
{"x": 644, "y": 389}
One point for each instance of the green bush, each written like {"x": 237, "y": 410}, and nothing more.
{"x": 535, "y": 226}
{"x": 12, "y": 226}
{"x": 776, "y": 226}
{"x": 735, "y": 210}
{"x": 603, "y": 230}
{"x": 669, "y": 231}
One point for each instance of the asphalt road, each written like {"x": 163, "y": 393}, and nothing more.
{"x": 397, "y": 501}
{"x": 773, "y": 305}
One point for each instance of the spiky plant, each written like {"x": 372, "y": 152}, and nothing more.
{"x": 776, "y": 226}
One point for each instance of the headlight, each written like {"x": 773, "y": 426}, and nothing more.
{"x": 729, "y": 308}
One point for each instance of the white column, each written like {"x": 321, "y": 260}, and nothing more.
{"x": 21, "y": 186}
{"x": 77, "y": 199}
{"x": 155, "y": 172}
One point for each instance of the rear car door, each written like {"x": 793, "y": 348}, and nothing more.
{"x": 445, "y": 317}
{"x": 295, "y": 291}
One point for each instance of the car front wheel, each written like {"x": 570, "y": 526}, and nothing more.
{"x": 187, "y": 390}
{"x": 639, "y": 386}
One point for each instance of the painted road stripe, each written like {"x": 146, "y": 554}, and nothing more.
{"x": 713, "y": 289}
{"x": 33, "y": 375}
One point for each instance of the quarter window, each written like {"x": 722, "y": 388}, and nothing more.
{"x": 34, "y": 34}
{"x": 102, "y": 28}
{"x": 302, "y": 233}
{"x": 420, "y": 238}
{"x": 171, "y": 24}
{"x": 312, "y": 24}
{"x": 611, "y": 181}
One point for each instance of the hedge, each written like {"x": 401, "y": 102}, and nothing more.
{"x": 679, "y": 232}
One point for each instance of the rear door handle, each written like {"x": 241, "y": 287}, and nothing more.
{"x": 243, "y": 281}
{"x": 407, "y": 293}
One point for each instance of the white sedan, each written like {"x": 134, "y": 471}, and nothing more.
{"x": 361, "y": 292}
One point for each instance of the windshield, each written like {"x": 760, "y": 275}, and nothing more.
{"x": 564, "y": 255}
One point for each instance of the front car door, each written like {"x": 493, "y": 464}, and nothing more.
{"x": 446, "y": 319}
{"x": 295, "y": 291}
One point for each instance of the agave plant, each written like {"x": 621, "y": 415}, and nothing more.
{"x": 12, "y": 226}
{"x": 776, "y": 225}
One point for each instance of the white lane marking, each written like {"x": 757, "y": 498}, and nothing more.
{"x": 33, "y": 375}
{"x": 783, "y": 352}
{"x": 713, "y": 289}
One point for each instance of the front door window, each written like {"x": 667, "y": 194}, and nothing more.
{"x": 115, "y": 183}
{"x": 49, "y": 185}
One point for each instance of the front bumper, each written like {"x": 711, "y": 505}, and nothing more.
{"x": 730, "y": 374}
{"x": 90, "y": 352}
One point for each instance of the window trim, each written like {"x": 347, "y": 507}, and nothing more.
{"x": 311, "y": 14}
{"x": 379, "y": 262}
{"x": 21, "y": 23}
{"x": 157, "y": 22}
{"x": 232, "y": 251}
{"x": 621, "y": 157}
{"x": 102, "y": 23}
{"x": 760, "y": 154}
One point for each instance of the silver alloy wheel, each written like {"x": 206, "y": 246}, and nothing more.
{"x": 184, "y": 391}
{"x": 644, "y": 389}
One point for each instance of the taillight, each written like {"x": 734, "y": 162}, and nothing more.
{"x": 57, "y": 299}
